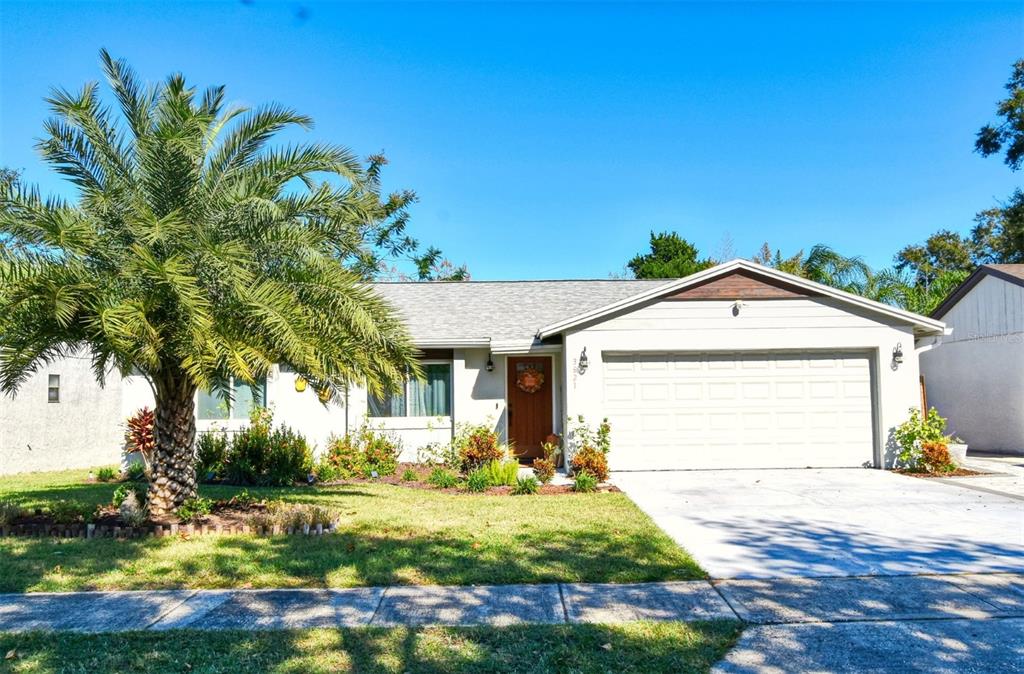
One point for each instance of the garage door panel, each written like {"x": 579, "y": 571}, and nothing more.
{"x": 673, "y": 411}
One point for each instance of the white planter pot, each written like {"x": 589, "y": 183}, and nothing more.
{"x": 957, "y": 452}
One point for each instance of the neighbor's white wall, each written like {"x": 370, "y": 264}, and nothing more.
{"x": 83, "y": 430}
{"x": 762, "y": 325}
{"x": 975, "y": 376}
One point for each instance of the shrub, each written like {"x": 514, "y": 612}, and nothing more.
{"x": 65, "y": 511}
{"x": 912, "y": 434}
{"x": 544, "y": 469}
{"x": 380, "y": 452}
{"x": 195, "y": 509}
{"x": 261, "y": 456}
{"x": 478, "y": 480}
{"x": 439, "y": 453}
{"x": 9, "y": 511}
{"x": 343, "y": 459}
{"x": 211, "y": 452}
{"x": 139, "y": 435}
{"x": 591, "y": 461}
{"x": 584, "y": 482}
{"x": 106, "y": 474}
{"x": 128, "y": 488}
{"x": 135, "y": 472}
{"x": 409, "y": 475}
{"x": 477, "y": 445}
{"x": 501, "y": 473}
{"x": 443, "y": 478}
{"x": 132, "y": 512}
{"x": 526, "y": 485}
{"x": 584, "y": 436}
{"x": 935, "y": 458}
{"x": 290, "y": 460}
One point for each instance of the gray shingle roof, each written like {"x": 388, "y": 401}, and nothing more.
{"x": 499, "y": 310}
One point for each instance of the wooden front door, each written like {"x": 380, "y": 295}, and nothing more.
{"x": 529, "y": 404}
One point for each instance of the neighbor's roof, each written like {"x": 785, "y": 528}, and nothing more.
{"x": 477, "y": 312}
{"x": 1011, "y": 273}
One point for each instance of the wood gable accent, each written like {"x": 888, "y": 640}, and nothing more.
{"x": 740, "y": 285}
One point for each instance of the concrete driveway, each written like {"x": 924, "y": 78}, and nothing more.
{"x": 830, "y": 522}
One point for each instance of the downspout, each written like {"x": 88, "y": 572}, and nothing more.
{"x": 346, "y": 409}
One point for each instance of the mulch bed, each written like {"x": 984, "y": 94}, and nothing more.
{"x": 422, "y": 473}
{"x": 959, "y": 472}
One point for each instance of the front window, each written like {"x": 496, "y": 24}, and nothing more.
{"x": 431, "y": 397}
{"x": 245, "y": 398}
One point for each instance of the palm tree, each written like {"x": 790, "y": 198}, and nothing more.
{"x": 822, "y": 265}
{"x": 194, "y": 253}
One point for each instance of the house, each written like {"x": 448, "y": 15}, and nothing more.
{"x": 738, "y": 366}
{"x": 975, "y": 378}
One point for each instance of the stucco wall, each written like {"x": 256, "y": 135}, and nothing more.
{"x": 84, "y": 429}
{"x": 975, "y": 376}
{"x": 761, "y": 325}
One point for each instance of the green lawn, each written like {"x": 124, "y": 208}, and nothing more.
{"x": 389, "y": 535}
{"x": 635, "y": 647}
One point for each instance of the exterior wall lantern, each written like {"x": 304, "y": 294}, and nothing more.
{"x": 490, "y": 364}
{"x": 584, "y": 362}
{"x": 300, "y": 384}
{"x": 897, "y": 355}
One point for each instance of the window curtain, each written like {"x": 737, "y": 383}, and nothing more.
{"x": 432, "y": 396}
{"x": 390, "y": 405}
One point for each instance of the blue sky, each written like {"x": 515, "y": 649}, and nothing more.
{"x": 545, "y": 141}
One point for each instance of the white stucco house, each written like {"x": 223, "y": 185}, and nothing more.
{"x": 975, "y": 378}
{"x": 736, "y": 366}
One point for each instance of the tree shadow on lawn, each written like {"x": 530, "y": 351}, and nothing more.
{"x": 356, "y": 557}
{"x": 639, "y": 647}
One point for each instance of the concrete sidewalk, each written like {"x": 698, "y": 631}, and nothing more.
{"x": 766, "y": 602}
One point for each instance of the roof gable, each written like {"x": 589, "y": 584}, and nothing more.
{"x": 922, "y": 325}
{"x": 740, "y": 284}
{"x": 1011, "y": 273}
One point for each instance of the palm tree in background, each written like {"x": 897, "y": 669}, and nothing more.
{"x": 195, "y": 252}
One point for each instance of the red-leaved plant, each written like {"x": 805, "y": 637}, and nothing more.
{"x": 139, "y": 435}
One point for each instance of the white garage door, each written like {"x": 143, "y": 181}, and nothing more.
{"x": 747, "y": 410}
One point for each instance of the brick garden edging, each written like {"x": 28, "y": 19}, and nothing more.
{"x": 37, "y": 530}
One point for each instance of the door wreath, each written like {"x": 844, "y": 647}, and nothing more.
{"x": 530, "y": 380}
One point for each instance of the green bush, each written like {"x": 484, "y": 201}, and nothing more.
{"x": 135, "y": 472}
{"x": 125, "y": 488}
{"x": 380, "y": 451}
{"x": 409, "y": 475}
{"x": 263, "y": 456}
{"x": 478, "y": 480}
{"x": 343, "y": 459}
{"x": 64, "y": 511}
{"x": 526, "y": 485}
{"x": 106, "y": 474}
{"x": 913, "y": 433}
{"x": 443, "y": 478}
{"x": 195, "y": 509}
{"x": 584, "y": 482}
{"x": 211, "y": 452}
{"x": 501, "y": 473}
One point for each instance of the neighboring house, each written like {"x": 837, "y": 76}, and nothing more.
{"x": 736, "y": 366}
{"x": 975, "y": 377}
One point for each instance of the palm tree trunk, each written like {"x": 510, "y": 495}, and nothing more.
{"x": 173, "y": 472}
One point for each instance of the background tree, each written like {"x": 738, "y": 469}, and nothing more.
{"x": 822, "y": 265}
{"x": 998, "y": 235}
{"x": 195, "y": 252}
{"x": 671, "y": 256}
{"x": 941, "y": 253}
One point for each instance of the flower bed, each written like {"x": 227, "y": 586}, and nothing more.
{"x": 225, "y": 517}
